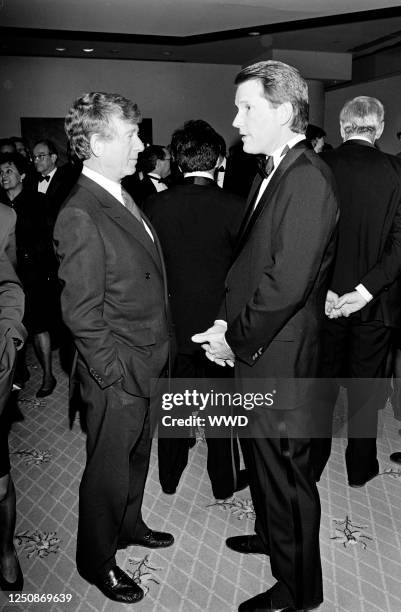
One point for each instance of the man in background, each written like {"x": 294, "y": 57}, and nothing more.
{"x": 365, "y": 298}
{"x": 197, "y": 223}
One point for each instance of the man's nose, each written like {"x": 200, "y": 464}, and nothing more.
{"x": 237, "y": 122}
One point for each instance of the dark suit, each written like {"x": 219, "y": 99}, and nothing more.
{"x": 369, "y": 252}
{"x": 197, "y": 223}
{"x": 274, "y": 306}
{"x": 114, "y": 302}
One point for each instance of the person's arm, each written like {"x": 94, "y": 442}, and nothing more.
{"x": 82, "y": 271}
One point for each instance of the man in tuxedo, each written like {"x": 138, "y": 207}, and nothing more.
{"x": 357, "y": 338}
{"x": 155, "y": 165}
{"x": 114, "y": 303}
{"x": 197, "y": 223}
{"x": 54, "y": 182}
{"x": 270, "y": 327}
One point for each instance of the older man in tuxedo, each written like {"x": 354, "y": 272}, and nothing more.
{"x": 271, "y": 319}
{"x": 357, "y": 337}
{"x": 114, "y": 302}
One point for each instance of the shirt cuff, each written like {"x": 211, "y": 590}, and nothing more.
{"x": 364, "y": 292}
{"x": 221, "y": 322}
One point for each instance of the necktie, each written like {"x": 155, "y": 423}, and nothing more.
{"x": 130, "y": 205}
{"x": 217, "y": 172}
{"x": 265, "y": 165}
{"x": 44, "y": 178}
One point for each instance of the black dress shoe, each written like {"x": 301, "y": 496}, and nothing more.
{"x": 18, "y": 583}
{"x": 246, "y": 544}
{"x": 396, "y": 457}
{"x": 44, "y": 391}
{"x": 153, "y": 539}
{"x": 118, "y": 586}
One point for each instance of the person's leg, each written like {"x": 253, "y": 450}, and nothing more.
{"x": 115, "y": 421}
{"x": 367, "y": 393}
{"x": 290, "y": 519}
{"x": 9, "y": 566}
{"x": 334, "y": 347}
{"x": 42, "y": 345}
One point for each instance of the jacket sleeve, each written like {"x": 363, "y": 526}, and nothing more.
{"x": 386, "y": 270}
{"x": 80, "y": 250}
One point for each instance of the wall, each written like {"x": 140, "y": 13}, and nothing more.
{"x": 170, "y": 93}
{"x": 388, "y": 91}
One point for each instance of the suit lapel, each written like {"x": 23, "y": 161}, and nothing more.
{"x": 116, "y": 211}
{"x": 251, "y": 216}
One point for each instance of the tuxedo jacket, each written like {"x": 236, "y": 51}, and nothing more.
{"x": 277, "y": 285}
{"x": 113, "y": 297}
{"x": 11, "y": 303}
{"x": 369, "y": 242}
{"x": 198, "y": 224}
{"x": 58, "y": 190}
{"x": 144, "y": 190}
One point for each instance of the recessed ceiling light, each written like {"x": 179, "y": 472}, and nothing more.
{"x": 254, "y": 33}
{"x": 61, "y": 49}
{"x": 166, "y": 52}
{"x": 88, "y": 50}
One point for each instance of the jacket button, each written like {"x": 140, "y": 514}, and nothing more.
{"x": 147, "y": 275}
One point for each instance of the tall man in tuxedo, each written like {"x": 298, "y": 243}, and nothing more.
{"x": 197, "y": 223}
{"x": 273, "y": 310}
{"x": 114, "y": 302}
{"x": 357, "y": 338}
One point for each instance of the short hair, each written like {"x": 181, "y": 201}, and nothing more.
{"x": 49, "y": 144}
{"x": 281, "y": 83}
{"x": 149, "y": 157}
{"x": 196, "y": 146}
{"x": 314, "y": 131}
{"x": 17, "y": 159}
{"x": 91, "y": 114}
{"x": 362, "y": 115}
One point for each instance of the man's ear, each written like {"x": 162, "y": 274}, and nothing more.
{"x": 285, "y": 113}
{"x": 23, "y": 175}
{"x": 96, "y": 144}
{"x": 379, "y": 130}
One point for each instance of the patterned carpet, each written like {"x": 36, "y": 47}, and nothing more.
{"x": 360, "y": 531}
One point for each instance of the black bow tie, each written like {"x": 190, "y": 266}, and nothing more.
{"x": 157, "y": 179}
{"x": 265, "y": 165}
{"x": 44, "y": 178}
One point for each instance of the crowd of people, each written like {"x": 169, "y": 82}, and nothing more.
{"x": 277, "y": 261}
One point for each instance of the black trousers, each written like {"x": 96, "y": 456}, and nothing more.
{"x": 113, "y": 482}
{"x": 287, "y": 507}
{"x": 223, "y": 455}
{"x": 354, "y": 350}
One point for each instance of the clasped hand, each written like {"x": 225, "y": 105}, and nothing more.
{"x": 343, "y": 306}
{"x": 214, "y": 343}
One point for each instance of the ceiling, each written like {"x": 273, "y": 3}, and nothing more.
{"x": 206, "y": 31}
